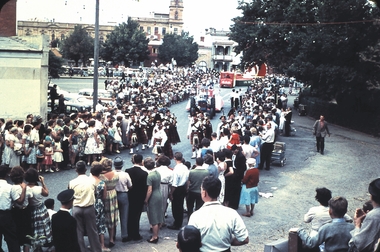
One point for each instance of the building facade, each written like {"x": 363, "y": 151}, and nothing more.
{"x": 155, "y": 27}
{"x": 216, "y": 51}
{"x": 23, "y": 76}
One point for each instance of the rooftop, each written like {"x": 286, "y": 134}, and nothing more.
{"x": 18, "y": 44}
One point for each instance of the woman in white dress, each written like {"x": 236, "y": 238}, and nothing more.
{"x": 222, "y": 166}
{"x": 92, "y": 148}
{"x": 29, "y": 146}
{"x": 14, "y": 144}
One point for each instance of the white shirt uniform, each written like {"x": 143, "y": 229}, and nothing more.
{"x": 180, "y": 175}
{"x": 218, "y": 225}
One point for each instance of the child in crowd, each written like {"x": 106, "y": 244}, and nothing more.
{"x": 40, "y": 157}
{"x": 48, "y": 161}
{"x": 336, "y": 234}
{"x": 249, "y": 195}
{"x": 189, "y": 239}
{"x": 58, "y": 156}
{"x": 49, "y": 204}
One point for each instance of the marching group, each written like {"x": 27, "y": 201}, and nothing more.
{"x": 224, "y": 176}
{"x": 35, "y": 147}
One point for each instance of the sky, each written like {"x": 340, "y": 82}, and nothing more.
{"x": 198, "y": 14}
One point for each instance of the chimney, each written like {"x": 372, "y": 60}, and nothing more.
{"x": 8, "y": 20}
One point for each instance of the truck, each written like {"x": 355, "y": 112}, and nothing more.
{"x": 236, "y": 78}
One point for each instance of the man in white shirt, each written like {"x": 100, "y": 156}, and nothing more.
{"x": 214, "y": 143}
{"x": 122, "y": 188}
{"x": 83, "y": 210}
{"x": 178, "y": 190}
{"x": 267, "y": 147}
{"x": 220, "y": 227}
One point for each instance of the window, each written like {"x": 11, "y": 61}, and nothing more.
{"x": 155, "y": 30}
{"x": 148, "y": 30}
{"x": 141, "y": 29}
{"x": 163, "y": 30}
{"x": 62, "y": 36}
{"x": 154, "y": 50}
{"x": 175, "y": 30}
{"x": 52, "y": 36}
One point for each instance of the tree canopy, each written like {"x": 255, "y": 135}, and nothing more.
{"x": 78, "y": 46}
{"x": 55, "y": 65}
{"x": 182, "y": 48}
{"x": 323, "y": 43}
{"x": 125, "y": 44}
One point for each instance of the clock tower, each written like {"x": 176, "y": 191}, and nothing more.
{"x": 176, "y": 16}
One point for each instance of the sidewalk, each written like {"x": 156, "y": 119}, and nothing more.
{"x": 307, "y": 122}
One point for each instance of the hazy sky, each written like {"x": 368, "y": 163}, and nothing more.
{"x": 198, "y": 14}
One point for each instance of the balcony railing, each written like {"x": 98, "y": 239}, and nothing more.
{"x": 222, "y": 57}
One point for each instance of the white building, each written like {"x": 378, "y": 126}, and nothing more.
{"x": 23, "y": 76}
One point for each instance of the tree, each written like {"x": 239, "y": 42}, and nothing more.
{"x": 78, "y": 46}
{"x": 55, "y": 65}
{"x": 182, "y": 48}
{"x": 125, "y": 44}
{"x": 318, "y": 42}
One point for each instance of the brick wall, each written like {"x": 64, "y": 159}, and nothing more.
{"x": 8, "y": 19}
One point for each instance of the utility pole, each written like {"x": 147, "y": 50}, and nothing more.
{"x": 96, "y": 56}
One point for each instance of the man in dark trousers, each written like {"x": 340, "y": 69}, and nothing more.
{"x": 320, "y": 130}
{"x": 53, "y": 95}
{"x": 136, "y": 196}
{"x": 178, "y": 190}
{"x": 8, "y": 195}
{"x": 239, "y": 166}
{"x": 61, "y": 104}
{"x": 288, "y": 120}
{"x": 64, "y": 226}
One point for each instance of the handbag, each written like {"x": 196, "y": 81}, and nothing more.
{"x": 20, "y": 152}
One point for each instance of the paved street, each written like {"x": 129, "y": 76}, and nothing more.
{"x": 349, "y": 164}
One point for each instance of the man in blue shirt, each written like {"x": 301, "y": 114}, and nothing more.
{"x": 336, "y": 234}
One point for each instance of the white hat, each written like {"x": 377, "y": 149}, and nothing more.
{"x": 251, "y": 161}
{"x": 82, "y": 125}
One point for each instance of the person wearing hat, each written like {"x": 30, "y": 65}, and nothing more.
{"x": 249, "y": 195}
{"x": 122, "y": 188}
{"x": 366, "y": 234}
{"x": 64, "y": 226}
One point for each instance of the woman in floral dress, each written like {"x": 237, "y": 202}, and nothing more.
{"x": 111, "y": 208}
{"x": 100, "y": 196}
{"x": 82, "y": 137}
{"x": 40, "y": 220}
{"x": 29, "y": 146}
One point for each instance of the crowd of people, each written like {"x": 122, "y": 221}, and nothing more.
{"x": 225, "y": 174}
{"x": 332, "y": 228}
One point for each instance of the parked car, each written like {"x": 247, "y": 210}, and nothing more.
{"x": 103, "y": 95}
{"x": 70, "y": 107}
